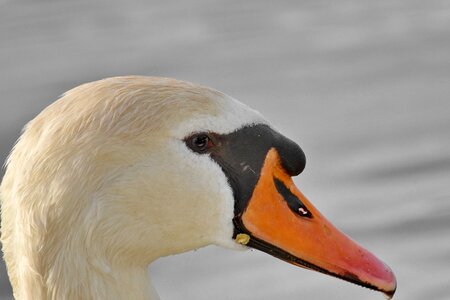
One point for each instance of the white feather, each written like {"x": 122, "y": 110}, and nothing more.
{"x": 100, "y": 184}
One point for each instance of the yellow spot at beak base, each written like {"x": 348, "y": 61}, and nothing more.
{"x": 242, "y": 238}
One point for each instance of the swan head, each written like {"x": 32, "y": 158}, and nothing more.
{"x": 128, "y": 169}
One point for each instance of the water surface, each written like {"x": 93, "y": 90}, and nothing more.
{"x": 362, "y": 86}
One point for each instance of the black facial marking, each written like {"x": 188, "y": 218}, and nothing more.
{"x": 292, "y": 201}
{"x": 241, "y": 155}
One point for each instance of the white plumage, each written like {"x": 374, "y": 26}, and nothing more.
{"x": 100, "y": 184}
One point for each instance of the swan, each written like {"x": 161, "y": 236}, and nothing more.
{"x": 124, "y": 170}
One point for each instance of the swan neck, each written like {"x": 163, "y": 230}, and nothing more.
{"x": 95, "y": 280}
{"x": 114, "y": 282}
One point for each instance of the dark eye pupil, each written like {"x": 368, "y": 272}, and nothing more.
{"x": 201, "y": 142}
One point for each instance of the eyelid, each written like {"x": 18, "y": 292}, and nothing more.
{"x": 189, "y": 141}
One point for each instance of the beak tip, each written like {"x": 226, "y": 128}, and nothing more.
{"x": 389, "y": 293}
{"x": 371, "y": 273}
{"x": 388, "y": 283}
{"x": 393, "y": 287}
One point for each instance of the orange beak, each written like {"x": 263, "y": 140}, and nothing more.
{"x": 282, "y": 222}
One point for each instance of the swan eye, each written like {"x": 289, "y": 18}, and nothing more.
{"x": 200, "y": 142}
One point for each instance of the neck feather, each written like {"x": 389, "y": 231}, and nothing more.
{"x": 77, "y": 278}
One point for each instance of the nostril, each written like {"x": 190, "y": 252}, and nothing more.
{"x": 294, "y": 203}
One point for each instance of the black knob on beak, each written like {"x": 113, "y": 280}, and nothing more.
{"x": 293, "y": 158}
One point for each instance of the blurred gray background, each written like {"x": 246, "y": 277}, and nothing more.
{"x": 362, "y": 86}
